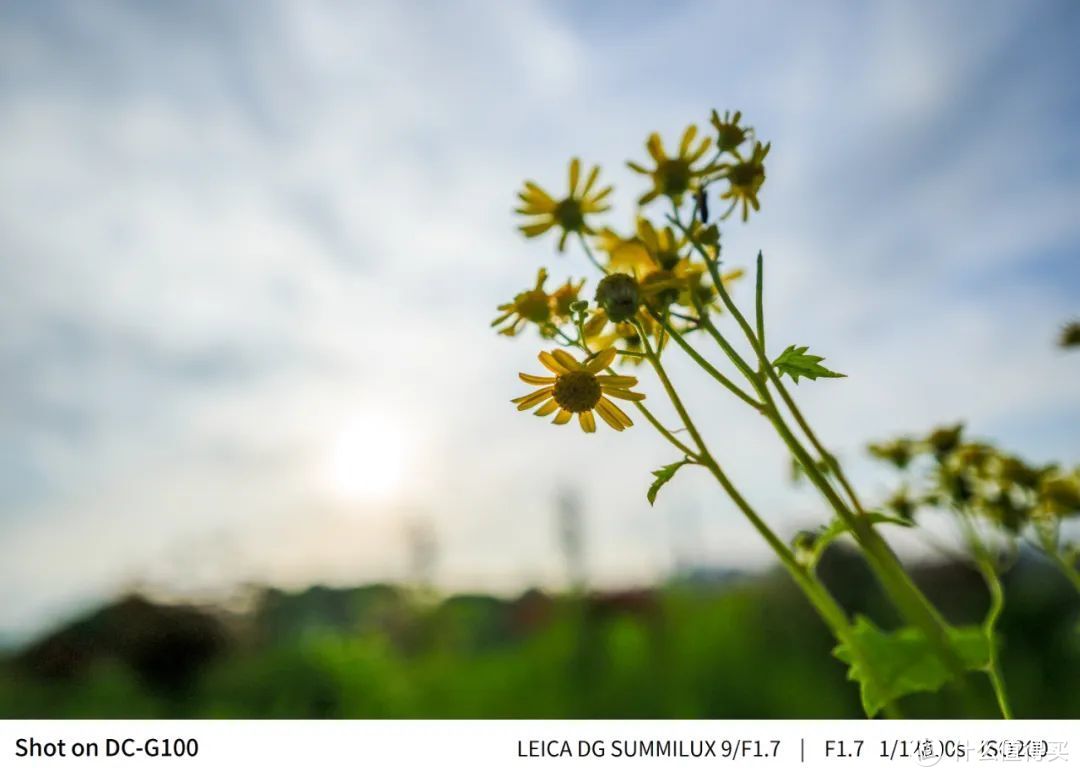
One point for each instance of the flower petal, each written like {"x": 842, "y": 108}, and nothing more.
{"x": 547, "y": 408}
{"x": 539, "y": 228}
{"x": 549, "y": 361}
{"x": 593, "y": 174}
{"x": 562, "y": 417}
{"x": 609, "y": 418}
{"x": 536, "y": 380}
{"x": 538, "y": 194}
{"x": 600, "y": 361}
{"x": 612, "y": 408}
{"x": 587, "y": 421}
{"x": 621, "y": 393}
{"x": 655, "y": 147}
{"x": 533, "y": 399}
{"x": 621, "y": 381}
{"x": 687, "y": 139}
{"x": 575, "y": 174}
{"x": 566, "y": 360}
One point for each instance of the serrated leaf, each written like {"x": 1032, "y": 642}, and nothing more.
{"x": 663, "y": 475}
{"x": 797, "y": 363}
{"x": 893, "y": 664}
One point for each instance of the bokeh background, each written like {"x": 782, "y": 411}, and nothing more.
{"x": 248, "y": 256}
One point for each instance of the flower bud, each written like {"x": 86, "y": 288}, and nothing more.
{"x": 618, "y": 295}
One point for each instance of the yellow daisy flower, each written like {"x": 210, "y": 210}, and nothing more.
{"x": 745, "y": 178}
{"x": 625, "y": 254}
{"x": 601, "y": 333}
{"x": 674, "y": 176}
{"x": 663, "y": 246}
{"x": 570, "y": 212}
{"x": 729, "y": 133}
{"x": 534, "y": 305}
{"x": 577, "y": 389}
{"x": 565, "y": 296}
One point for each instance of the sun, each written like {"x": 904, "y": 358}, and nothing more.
{"x": 367, "y": 460}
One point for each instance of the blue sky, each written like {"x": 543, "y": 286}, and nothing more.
{"x": 241, "y": 238}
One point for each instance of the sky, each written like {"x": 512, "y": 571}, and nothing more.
{"x": 249, "y": 253}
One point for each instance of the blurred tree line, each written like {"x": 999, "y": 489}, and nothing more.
{"x": 697, "y": 647}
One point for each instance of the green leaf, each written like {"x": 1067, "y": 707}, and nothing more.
{"x": 891, "y": 665}
{"x": 797, "y": 363}
{"x": 663, "y": 475}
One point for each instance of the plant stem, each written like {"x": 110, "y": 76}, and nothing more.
{"x": 987, "y": 569}
{"x": 709, "y": 368}
{"x": 820, "y": 598}
{"x": 589, "y": 253}
{"x": 901, "y": 589}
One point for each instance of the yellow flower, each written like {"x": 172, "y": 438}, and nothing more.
{"x": 570, "y": 212}
{"x": 729, "y": 134}
{"x": 674, "y": 176}
{"x": 625, "y": 254}
{"x": 601, "y": 333}
{"x": 577, "y": 389}
{"x": 534, "y": 305}
{"x": 664, "y": 247}
{"x": 563, "y": 297}
{"x": 745, "y": 178}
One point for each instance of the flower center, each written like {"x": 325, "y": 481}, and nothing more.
{"x": 730, "y": 136}
{"x": 577, "y": 391}
{"x": 744, "y": 174}
{"x": 533, "y": 306}
{"x": 674, "y": 175}
{"x": 667, "y": 259}
{"x": 568, "y": 214}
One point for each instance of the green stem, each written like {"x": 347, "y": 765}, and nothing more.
{"x": 820, "y": 598}
{"x": 589, "y": 253}
{"x": 709, "y": 368}
{"x": 985, "y": 564}
{"x": 901, "y": 589}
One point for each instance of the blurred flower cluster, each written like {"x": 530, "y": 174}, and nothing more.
{"x": 998, "y": 491}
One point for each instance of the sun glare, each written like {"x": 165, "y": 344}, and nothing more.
{"x": 368, "y": 459}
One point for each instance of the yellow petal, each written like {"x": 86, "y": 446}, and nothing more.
{"x": 539, "y": 228}
{"x": 621, "y": 393}
{"x": 700, "y": 150}
{"x": 562, "y": 417}
{"x": 536, "y": 380}
{"x": 591, "y": 180}
{"x": 612, "y": 408}
{"x": 687, "y": 139}
{"x": 533, "y": 399}
{"x": 620, "y": 381}
{"x": 655, "y": 148}
{"x": 609, "y": 417}
{"x": 575, "y": 174}
{"x": 547, "y": 408}
{"x": 532, "y": 209}
{"x": 538, "y": 194}
{"x": 601, "y": 361}
{"x": 549, "y": 361}
{"x": 587, "y": 421}
{"x": 566, "y": 360}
